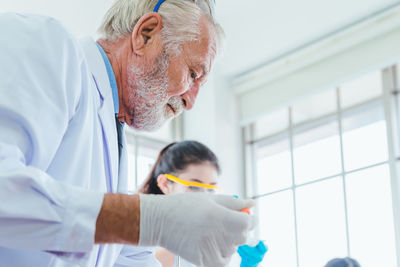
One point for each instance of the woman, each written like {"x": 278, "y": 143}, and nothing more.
{"x": 191, "y": 161}
{"x": 190, "y": 166}
{"x": 186, "y": 166}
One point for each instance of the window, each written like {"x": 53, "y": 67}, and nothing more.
{"x": 274, "y": 166}
{"x": 322, "y": 176}
{"x": 361, "y": 90}
{"x": 278, "y": 229}
{"x": 370, "y": 207}
{"x": 272, "y": 123}
{"x": 364, "y": 136}
{"x": 320, "y": 237}
{"x": 316, "y": 106}
{"x": 143, "y": 149}
{"x": 316, "y": 152}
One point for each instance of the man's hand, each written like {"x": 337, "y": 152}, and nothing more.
{"x": 203, "y": 229}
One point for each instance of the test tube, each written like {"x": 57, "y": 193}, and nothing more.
{"x": 177, "y": 261}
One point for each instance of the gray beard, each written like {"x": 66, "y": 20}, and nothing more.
{"x": 148, "y": 95}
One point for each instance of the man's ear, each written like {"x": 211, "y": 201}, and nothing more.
{"x": 146, "y": 31}
{"x": 163, "y": 184}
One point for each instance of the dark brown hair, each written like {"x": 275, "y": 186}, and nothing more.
{"x": 343, "y": 262}
{"x": 177, "y": 157}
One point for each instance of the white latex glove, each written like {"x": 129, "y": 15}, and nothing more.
{"x": 201, "y": 228}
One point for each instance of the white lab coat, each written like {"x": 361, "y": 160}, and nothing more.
{"x": 58, "y": 146}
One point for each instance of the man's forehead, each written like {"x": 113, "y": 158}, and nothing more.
{"x": 200, "y": 61}
{"x": 201, "y": 53}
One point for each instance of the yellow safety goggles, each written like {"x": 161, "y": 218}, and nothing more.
{"x": 194, "y": 186}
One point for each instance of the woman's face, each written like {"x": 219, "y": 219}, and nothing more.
{"x": 204, "y": 173}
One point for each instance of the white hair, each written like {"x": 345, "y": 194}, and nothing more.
{"x": 180, "y": 20}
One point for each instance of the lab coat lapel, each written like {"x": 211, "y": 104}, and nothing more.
{"x": 106, "y": 110}
{"x": 123, "y": 168}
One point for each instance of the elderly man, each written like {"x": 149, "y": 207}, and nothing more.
{"x": 63, "y": 104}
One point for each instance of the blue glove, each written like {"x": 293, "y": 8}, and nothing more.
{"x": 252, "y": 256}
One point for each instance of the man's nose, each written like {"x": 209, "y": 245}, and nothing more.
{"x": 189, "y": 97}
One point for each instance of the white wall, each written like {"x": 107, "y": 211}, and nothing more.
{"x": 214, "y": 122}
{"x": 199, "y": 123}
{"x": 81, "y": 17}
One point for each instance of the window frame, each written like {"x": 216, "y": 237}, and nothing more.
{"x": 390, "y": 100}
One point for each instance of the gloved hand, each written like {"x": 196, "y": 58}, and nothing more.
{"x": 203, "y": 229}
{"x": 252, "y": 256}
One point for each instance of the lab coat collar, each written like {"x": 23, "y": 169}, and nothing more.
{"x": 97, "y": 66}
{"x": 111, "y": 78}
{"x": 106, "y": 110}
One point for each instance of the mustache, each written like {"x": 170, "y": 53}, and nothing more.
{"x": 177, "y": 105}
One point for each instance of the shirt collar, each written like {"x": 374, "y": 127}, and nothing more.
{"x": 111, "y": 78}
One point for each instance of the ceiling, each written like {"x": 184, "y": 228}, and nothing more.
{"x": 262, "y": 30}
{"x": 257, "y": 31}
